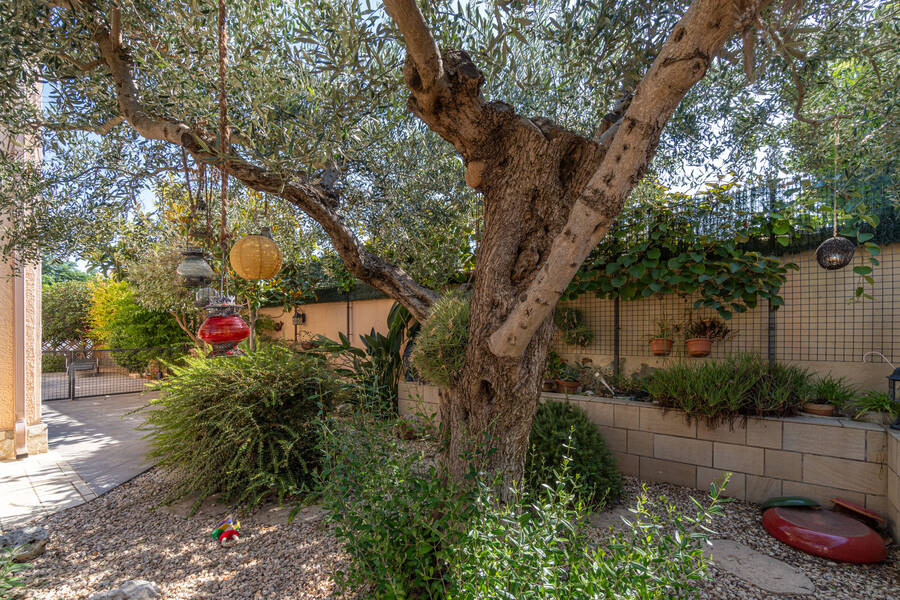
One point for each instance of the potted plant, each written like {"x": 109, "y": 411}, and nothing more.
{"x": 662, "y": 341}
{"x": 554, "y": 366}
{"x": 874, "y": 407}
{"x": 567, "y": 378}
{"x": 700, "y": 335}
{"x": 826, "y": 395}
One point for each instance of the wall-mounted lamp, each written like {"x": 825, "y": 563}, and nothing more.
{"x": 298, "y": 318}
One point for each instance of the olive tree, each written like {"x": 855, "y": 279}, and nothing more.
{"x": 550, "y": 112}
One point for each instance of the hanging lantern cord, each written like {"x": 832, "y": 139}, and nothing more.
{"x": 223, "y": 137}
{"x": 834, "y": 189}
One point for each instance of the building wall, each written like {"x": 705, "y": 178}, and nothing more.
{"x": 20, "y": 337}
{"x": 330, "y": 318}
{"x": 818, "y": 457}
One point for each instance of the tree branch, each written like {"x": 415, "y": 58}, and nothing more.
{"x": 77, "y": 63}
{"x": 682, "y": 61}
{"x": 315, "y": 201}
{"x": 420, "y": 46}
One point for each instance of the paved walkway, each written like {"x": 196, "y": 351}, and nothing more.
{"x": 93, "y": 448}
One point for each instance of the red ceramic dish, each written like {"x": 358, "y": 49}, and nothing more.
{"x": 856, "y": 508}
{"x": 223, "y": 329}
{"x": 825, "y": 533}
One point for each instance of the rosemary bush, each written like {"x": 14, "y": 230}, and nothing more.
{"x": 562, "y": 432}
{"x": 246, "y": 427}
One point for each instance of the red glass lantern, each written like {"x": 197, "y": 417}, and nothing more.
{"x": 223, "y": 329}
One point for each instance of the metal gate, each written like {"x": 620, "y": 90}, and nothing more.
{"x": 71, "y": 374}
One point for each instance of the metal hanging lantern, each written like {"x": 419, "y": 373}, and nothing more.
{"x": 194, "y": 269}
{"x": 893, "y": 378}
{"x": 835, "y": 253}
{"x": 223, "y": 328}
{"x": 256, "y": 256}
{"x": 203, "y": 296}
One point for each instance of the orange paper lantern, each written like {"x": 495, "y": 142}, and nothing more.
{"x": 256, "y": 256}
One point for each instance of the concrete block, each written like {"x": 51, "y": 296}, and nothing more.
{"x": 627, "y": 416}
{"x": 36, "y": 439}
{"x": 694, "y": 452}
{"x": 7, "y": 449}
{"x": 599, "y": 413}
{"x": 743, "y": 459}
{"x": 822, "y": 493}
{"x": 893, "y": 452}
{"x": 877, "y": 504}
{"x": 628, "y": 464}
{"x": 824, "y": 440}
{"x": 760, "y": 489}
{"x": 732, "y": 433}
{"x": 737, "y": 483}
{"x": 782, "y": 464}
{"x": 666, "y": 471}
{"x": 869, "y": 478}
{"x": 765, "y": 433}
{"x": 640, "y": 443}
{"x": 876, "y": 446}
{"x": 670, "y": 422}
{"x": 615, "y": 438}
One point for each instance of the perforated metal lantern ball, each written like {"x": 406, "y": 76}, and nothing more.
{"x": 256, "y": 256}
{"x": 193, "y": 268}
{"x": 203, "y": 296}
{"x": 835, "y": 253}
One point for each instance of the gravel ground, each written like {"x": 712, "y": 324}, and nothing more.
{"x": 122, "y": 536}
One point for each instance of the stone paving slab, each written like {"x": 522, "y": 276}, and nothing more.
{"x": 94, "y": 447}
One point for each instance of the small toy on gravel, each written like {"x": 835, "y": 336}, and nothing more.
{"x": 228, "y": 532}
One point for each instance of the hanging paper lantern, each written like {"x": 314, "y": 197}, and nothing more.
{"x": 193, "y": 268}
{"x": 223, "y": 329}
{"x": 256, "y": 256}
{"x": 835, "y": 253}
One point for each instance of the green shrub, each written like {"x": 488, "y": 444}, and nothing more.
{"x": 871, "y": 401}
{"x": 64, "y": 311}
{"x": 9, "y": 580}
{"x": 246, "y": 426}
{"x": 572, "y": 328}
{"x": 535, "y": 548}
{"x": 440, "y": 348}
{"x": 53, "y": 363}
{"x": 742, "y": 384}
{"x": 395, "y": 517}
{"x": 831, "y": 390}
{"x": 562, "y": 430}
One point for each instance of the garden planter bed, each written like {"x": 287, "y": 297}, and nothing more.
{"x": 819, "y": 457}
{"x": 123, "y": 535}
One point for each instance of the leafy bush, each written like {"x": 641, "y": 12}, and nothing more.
{"x": 441, "y": 345}
{"x": 246, "y": 426}
{"x": 563, "y": 430}
{"x": 570, "y": 322}
{"x": 53, "y": 363}
{"x": 64, "y": 311}
{"x": 713, "y": 329}
{"x": 742, "y": 384}
{"x": 9, "y": 580}
{"x": 536, "y": 548}
{"x": 411, "y": 535}
{"x": 396, "y": 517}
{"x": 374, "y": 368}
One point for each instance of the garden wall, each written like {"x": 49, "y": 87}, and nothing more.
{"x": 819, "y": 457}
{"x": 331, "y": 318}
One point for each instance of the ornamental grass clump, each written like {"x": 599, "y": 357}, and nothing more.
{"x": 440, "y": 348}
{"x": 246, "y": 427}
{"x": 741, "y": 384}
{"x": 562, "y": 431}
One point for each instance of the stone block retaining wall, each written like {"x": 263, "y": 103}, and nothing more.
{"x": 819, "y": 457}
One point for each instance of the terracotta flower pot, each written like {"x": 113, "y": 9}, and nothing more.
{"x": 699, "y": 346}
{"x": 822, "y": 410}
{"x": 661, "y": 346}
{"x": 549, "y": 385}
{"x": 568, "y": 387}
{"x": 308, "y": 345}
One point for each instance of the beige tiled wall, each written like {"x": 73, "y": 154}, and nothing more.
{"x": 819, "y": 457}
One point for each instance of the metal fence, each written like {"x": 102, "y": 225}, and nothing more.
{"x": 83, "y": 373}
{"x": 821, "y": 320}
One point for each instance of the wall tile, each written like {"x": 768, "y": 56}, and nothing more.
{"x": 784, "y": 465}
{"x": 844, "y": 474}
{"x": 825, "y": 440}
{"x": 744, "y": 459}
{"x": 695, "y": 452}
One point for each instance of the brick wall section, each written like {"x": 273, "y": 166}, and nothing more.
{"x": 818, "y": 457}
{"x": 893, "y": 483}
